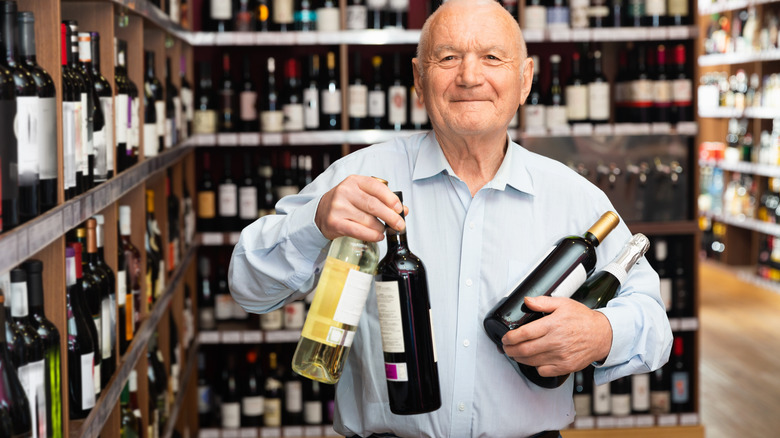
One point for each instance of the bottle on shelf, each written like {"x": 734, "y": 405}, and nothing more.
{"x": 602, "y": 399}
{"x": 220, "y": 15}
{"x": 106, "y": 319}
{"x": 104, "y": 95}
{"x": 89, "y": 288}
{"x": 620, "y": 390}
{"x": 311, "y": 95}
{"x": 271, "y": 114}
{"x": 223, "y": 301}
{"x": 294, "y": 315}
{"x": 248, "y": 100}
{"x": 305, "y": 16}
{"x": 205, "y": 393}
{"x": 640, "y": 393}
{"x": 272, "y": 394}
{"x": 357, "y": 15}
{"x": 555, "y": 107}
{"x": 406, "y": 325}
{"x": 262, "y": 15}
{"x": 662, "y": 89}
{"x": 227, "y": 99}
{"x": 312, "y": 402}
{"x": 377, "y": 97}
{"x": 599, "y": 12}
{"x": 151, "y": 144}
{"x": 205, "y": 114}
{"x": 47, "y": 113}
{"x": 376, "y": 13}
{"x": 129, "y": 426}
{"x": 681, "y": 400}
{"x": 599, "y": 101}
{"x": 187, "y": 100}
{"x": 173, "y": 109}
{"x": 558, "y": 15}
{"x": 85, "y": 159}
{"x": 206, "y": 197}
{"x": 292, "y": 99}
{"x": 660, "y": 394}
{"x": 682, "y": 108}
{"x": 14, "y": 405}
{"x": 576, "y": 93}
{"x": 245, "y": 17}
{"x": 247, "y": 195}
{"x": 133, "y": 272}
{"x": 174, "y": 250}
{"x": 97, "y": 134}
{"x": 583, "y": 392}
{"x": 81, "y": 349}
{"x": 397, "y": 14}
{"x": 396, "y": 97}
{"x": 635, "y": 12}
{"x": 678, "y": 13}
{"x": 418, "y": 115}
{"x": 206, "y": 318}
{"x": 230, "y": 398}
{"x": 655, "y": 13}
{"x": 123, "y": 108}
{"x": 327, "y": 334}
{"x": 357, "y": 93}
{"x": 535, "y": 16}
{"x": 330, "y": 97}
{"x": 283, "y": 15}
{"x": 293, "y": 399}
{"x": 252, "y": 401}
{"x": 9, "y": 164}
{"x": 267, "y": 197}
{"x": 227, "y": 192}
{"x": 155, "y": 260}
{"x": 640, "y": 87}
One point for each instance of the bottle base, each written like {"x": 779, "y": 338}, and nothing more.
{"x": 318, "y": 361}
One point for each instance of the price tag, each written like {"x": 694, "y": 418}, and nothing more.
{"x": 645, "y": 421}
{"x": 208, "y": 337}
{"x": 560, "y": 131}
{"x": 225, "y": 39}
{"x": 687, "y": 128}
{"x": 212, "y": 239}
{"x": 207, "y": 139}
{"x": 284, "y": 38}
{"x": 248, "y": 432}
{"x": 582, "y": 129}
{"x": 227, "y": 139}
{"x": 606, "y": 422}
{"x": 656, "y": 33}
{"x": 252, "y": 337}
{"x": 292, "y": 431}
{"x": 208, "y": 433}
{"x": 249, "y": 139}
{"x": 533, "y": 35}
{"x": 674, "y": 323}
{"x": 231, "y": 337}
{"x": 333, "y": 38}
{"x": 231, "y": 433}
{"x": 667, "y": 420}
{"x": 272, "y": 139}
{"x": 282, "y": 336}
{"x": 559, "y": 35}
{"x": 679, "y": 32}
{"x": 581, "y": 35}
{"x": 306, "y": 38}
{"x": 689, "y": 324}
{"x": 660, "y": 128}
{"x": 626, "y": 422}
{"x": 245, "y": 38}
{"x": 584, "y": 423}
{"x": 312, "y": 431}
{"x": 689, "y": 419}
{"x": 270, "y": 432}
{"x": 624, "y": 33}
{"x": 601, "y": 34}
{"x": 603, "y": 129}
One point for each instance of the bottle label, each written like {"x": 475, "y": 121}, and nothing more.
{"x": 121, "y": 117}
{"x": 19, "y": 308}
{"x": 390, "y": 321}
{"x": 105, "y": 329}
{"x": 358, "y": 101}
{"x": 377, "y": 103}
{"x": 272, "y": 320}
{"x": 107, "y": 104}
{"x": 641, "y": 93}
{"x": 534, "y": 117}
{"x": 660, "y": 402}
{"x": 662, "y": 93}
{"x": 577, "y": 102}
{"x": 357, "y": 17}
{"x": 376, "y": 4}
{"x": 221, "y": 10}
{"x": 228, "y": 200}
{"x": 598, "y": 101}
{"x": 112, "y": 321}
{"x": 621, "y": 404}
{"x": 206, "y": 205}
{"x": 69, "y": 144}
{"x": 159, "y": 110}
{"x": 204, "y": 399}
{"x": 396, "y": 114}
{"x": 273, "y": 412}
{"x": 666, "y": 293}
{"x": 223, "y": 307}
{"x": 398, "y": 5}
{"x": 121, "y": 287}
{"x": 331, "y": 101}
{"x": 328, "y": 19}
{"x": 272, "y": 121}
{"x": 248, "y": 103}
{"x": 206, "y": 318}
{"x": 101, "y": 149}
{"x": 601, "y": 399}
{"x": 151, "y": 144}
{"x": 79, "y": 136}
{"x": 88, "y": 368}
{"x": 396, "y": 372}
{"x": 188, "y": 103}
{"x": 640, "y": 392}
{"x": 25, "y": 128}
{"x": 419, "y": 114}
{"x": 582, "y": 403}
{"x": 204, "y": 122}
{"x": 130, "y": 314}
{"x": 558, "y": 17}
{"x": 535, "y": 17}
{"x": 47, "y": 137}
{"x": 678, "y": 8}
{"x": 555, "y": 116}
{"x": 636, "y": 8}
{"x": 681, "y": 92}
{"x": 680, "y": 385}
{"x": 134, "y": 136}
{"x": 253, "y": 406}
{"x": 31, "y": 376}
{"x": 571, "y": 283}
{"x": 579, "y": 14}
{"x": 346, "y": 289}
{"x": 311, "y": 108}
{"x": 283, "y": 11}
{"x": 312, "y": 412}
{"x": 293, "y": 117}
{"x": 293, "y": 396}
{"x": 231, "y": 415}
{"x": 86, "y": 128}
{"x": 655, "y": 7}
{"x": 247, "y": 203}
{"x": 294, "y": 315}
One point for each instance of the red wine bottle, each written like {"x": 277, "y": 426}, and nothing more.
{"x": 81, "y": 350}
{"x": 14, "y": 405}
{"x": 560, "y": 273}
{"x": 405, "y": 322}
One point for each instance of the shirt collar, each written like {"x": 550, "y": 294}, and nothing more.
{"x": 513, "y": 171}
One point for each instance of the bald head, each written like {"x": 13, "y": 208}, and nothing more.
{"x": 462, "y": 10}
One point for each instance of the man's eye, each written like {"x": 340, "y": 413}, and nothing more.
{"x": 492, "y": 57}
{"x": 448, "y": 58}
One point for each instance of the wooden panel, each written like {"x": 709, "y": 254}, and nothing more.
{"x": 671, "y": 432}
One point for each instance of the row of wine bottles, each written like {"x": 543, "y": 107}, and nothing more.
{"x": 302, "y": 15}
{"x": 743, "y": 31}
{"x": 579, "y": 14}
{"x": 254, "y": 390}
{"x": 314, "y": 103}
{"x": 669, "y": 389}
{"x": 724, "y": 90}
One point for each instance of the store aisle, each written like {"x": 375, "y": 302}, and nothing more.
{"x": 740, "y": 356}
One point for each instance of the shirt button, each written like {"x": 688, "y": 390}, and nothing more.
{"x": 461, "y": 407}
{"x": 471, "y": 225}
{"x": 466, "y": 343}
{"x": 469, "y": 282}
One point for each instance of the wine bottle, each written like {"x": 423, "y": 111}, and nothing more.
{"x": 103, "y": 301}
{"x": 89, "y": 289}
{"x": 50, "y": 337}
{"x": 311, "y": 95}
{"x": 220, "y": 15}
{"x": 681, "y": 88}
{"x": 133, "y": 271}
{"x": 376, "y": 13}
{"x": 81, "y": 350}
{"x": 602, "y": 399}
{"x": 293, "y": 399}
{"x": 173, "y": 111}
{"x": 283, "y": 14}
{"x": 406, "y": 325}
{"x": 98, "y": 163}
{"x": 151, "y": 146}
{"x": 560, "y": 273}
{"x": 262, "y": 16}
{"x": 104, "y": 94}
{"x": 681, "y": 400}
{"x": 9, "y": 154}
{"x": 228, "y": 197}
{"x": 617, "y": 13}
{"x": 271, "y": 115}
{"x": 247, "y": 195}
{"x": 205, "y": 397}
{"x": 357, "y": 95}
{"x": 245, "y": 18}
{"x": 27, "y": 114}
{"x": 32, "y": 372}
{"x": 635, "y": 11}
{"x": 207, "y": 207}
{"x": 187, "y": 100}
{"x": 173, "y": 252}
{"x": 655, "y": 13}
{"x": 252, "y": 401}
{"x": 123, "y": 292}
{"x": 327, "y": 334}
{"x": 397, "y": 14}
{"x": 248, "y": 100}
{"x": 85, "y": 157}
{"x": 357, "y": 15}
{"x": 418, "y": 115}
{"x": 154, "y": 252}
{"x": 396, "y": 97}
{"x": 641, "y": 87}
{"x": 272, "y": 394}
{"x": 132, "y": 384}
{"x": 662, "y": 89}
{"x": 576, "y": 93}
{"x": 14, "y": 406}
{"x": 174, "y": 355}
{"x": 123, "y": 110}
{"x": 305, "y": 18}
{"x": 640, "y": 393}
{"x": 312, "y": 403}
{"x": 620, "y": 390}
{"x": 598, "y": 13}
{"x": 583, "y": 392}
{"x": 223, "y": 301}
{"x": 533, "y": 109}
{"x": 377, "y": 97}
{"x": 110, "y": 300}
{"x": 129, "y": 427}
{"x": 330, "y": 97}
{"x": 660, "y": 395}
{"x": 227, "y": 99}
{"x": 47, "y": 113}
{"x": 678, "y": 13}
{"x": 266, "y": 199}
{"x": 292, "y": 99}
{"x": 622, "y": 98}
{"x": 155, "y": 86}
{"x": 294, "y": 315}
{"x": 535, "y": 15}
{"x": 558, "y": 15}
{"x": 555, "y": 108}
{"x": 206, "y": 318}
{"x": 599, "y": 101}
{"x": 230, "y": 399}
{"x": 70, "y": 129}
{"x": 205, "y": 114}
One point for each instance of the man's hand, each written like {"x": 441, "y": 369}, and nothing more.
{"x": 568, "y": 339}
{"x": 352, "y": 208}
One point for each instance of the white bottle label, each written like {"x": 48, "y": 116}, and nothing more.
{"x": 353, "y": 298}
{"x": 85, "y": 128}
{"x": 121, "y": 117}
{"x": 273, "y": 412}
{"x": 231, "y": 415}
{"x": 293, "y": 396}
{"x": 678, "y": 7}
{"x": 283, "y": 11}
{"x": 107, "y": 103}
{"x": 655, "y": 7}
{"x": 331, "y": 101}
{"x": 621, "y": 404}
{"x": 555, "y": 116}
{"x": 221, "y": 10}
{"x": 312, "y": 412}
{"x": 188, "y": 102}
{"x": 641, "y": 91}
{"x": 134, "y": 136}
{"x": 680, "y": 385}
{"x": 247, "y": 203}
{"x": 272, "y": 121}
{"x": 294, "y": 315}
{"x": 87, "y": 381}
{"x": 151, "y": 146}
{"x": 598, "y": 101}
{"x": 293, "y": 117}
{"x": 571, "y": 283}
{"x": 534, "y": 117}
{"x": 535, "y": 17}
{"x": 328, "y": 19}
{"x": 376, "y": 4}
{"x": 79, "y": 125}
{"x": 311, "y": 109}
{"x": 253, "y": 406}
{"x": 640, "y": 392}
{"x": 662, "y": 92}
{"x": 159, "y": 110}
{"x": 398, "y": 5}
{"x": 358, "y": 101}
{"x": 389, "y": 312}
{"x": 26, "y": 130}
{"x": 357, "y": 17}
{"x": 69, "y": 144}
{"x": 223, "y": 307}
{"x": 681, "y": 91}
{"x": 228, "y": 200}
{"x": 377, "y": 103}
{"x": 582, "y": 403}
{"x": 272, "y": 320}
{"x": 396, "y": 372}
{"x": 31, "y": 376}
{"x": 396, "y": 114}
{"x": 47, "y": 137}
{"x": 101, "y": 149}
{"x": 666, "y": 293}
{"x": 576, "y": 102}
{"x": 121, "y": 287}
{"x": 602, "y": 399}
{"x": 248, "y": 103}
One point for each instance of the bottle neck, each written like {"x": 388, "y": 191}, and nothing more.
{"x": 10, "y": 41}
{"x": 27, "y": 41}
{"x": 95, "y": 48}
{"x": 396, "y": 240}
{"x": 35, "y": 291}
{"x": 634, "y": 249}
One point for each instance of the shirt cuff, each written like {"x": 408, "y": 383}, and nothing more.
{"x": 622, "y": 340}
{"x": 304, "y": 233}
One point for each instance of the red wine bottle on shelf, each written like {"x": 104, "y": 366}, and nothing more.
{"x": 173, "y": 111}
{"x": 576, "y": 93}
{"x": 682, "y": 107}
{"x": 252, "y": 402}
{"x": 377, "y": 97}
{"x": 105, "y": 95}
{"x": 9, "y": 154}
{"x": 292, "y": 99}
{"x": 122, "y": 114}
{"x": 330, "y": 97}
{"x": 396, "y": 97}
{"x": 104, "y": 300}
{"x": 620, "y": 389}
{"x": 599, "y": 101}
{"x": 187, "y": 100}
{"x": 311, "y": 95}
{"x": 555, "y": 107}
{"x": 560, "y": 273}
{"x": 81, "y": 349}
{"x": 14, "y": 406}
{"x": 271, "y": 115}
{"x": 47, "y": 113}
{"x": 109, "y": 300}
{"x": 85, "y": 156}
{"x": 88, "y": 288}
{"x": 227, "y": 192}
{"x": 205, "y": 113}
{"x": 153, "y": 85}
{"x": 206, "y": 318}
{"x": 583, "y": 392}
{"x": 98, "y": 163}
{"x": 357, "y": 95}
{"x": 227, "y": 99}
{"x": 681, "y": 400}
{"x": 247, "y": 100}
{"x": 662, "y": 89}
{"x": 405, "y": 320}
{"x": 134, "y": 273}
{"x": 247, "y": 195}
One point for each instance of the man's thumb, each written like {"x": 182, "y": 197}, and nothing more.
{"x": 542, "y": 304}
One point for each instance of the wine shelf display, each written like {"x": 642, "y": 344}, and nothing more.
{"x": 718, "y": 6}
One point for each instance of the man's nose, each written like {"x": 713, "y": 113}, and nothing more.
{"x": 471, "y": 73}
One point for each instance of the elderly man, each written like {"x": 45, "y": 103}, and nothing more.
{"x": 482, "y": 210}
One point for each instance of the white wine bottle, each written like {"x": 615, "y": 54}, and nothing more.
{"x": 334, "y": 314}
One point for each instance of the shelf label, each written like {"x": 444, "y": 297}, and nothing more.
{"x": 208, "y": 433}
{"x": 558, "y": 35}
{"x": 584, "y": 423}
{"x": 231, "y": 337}
{"x": 248, "y": 432}
{"x": 581, "y": 35}
{"x": 211, "y": 239}
{"x": 249, "y": 139}
{"x": 225, "y": 39}
{"x": 687, "y": 128}
{"x": 603, "y": 129}
{"x": 645, "y": 421}
{"x": 656, "y": 33}
{"x": 661, "y": 128}
{"x": 626, "y": 422}
{"x": 282, "y": 336}
{"x": 245, "y": 38}
{"x": 689, "y": 419}
{"x": 270, "y": 432}
{"x": 679, "y": 32}
{"x": 667, "y": 420}
{"x": 674, "y": 323}
{"x": 227, "y": 139}
{"x": 689, "y": 324}
{"x": 207, "y": 139}
{"x": 231, "y": 433}
{"x": 533, "y": 35}
{"x": 292, "y": 431}
{"x": 606, "y": 422}
{"x": 272, "y": 139}
{"x": 583, "y": 129}
{"x": 252, "y": 337}
{"x": 312, "y": 431}
{"x": 233, "y": 237}
{"x": 208, "y": 337}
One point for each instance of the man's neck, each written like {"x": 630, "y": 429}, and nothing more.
{"x": 475, "y": 160}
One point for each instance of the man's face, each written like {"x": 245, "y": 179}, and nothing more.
{"x": 472, "y": 82}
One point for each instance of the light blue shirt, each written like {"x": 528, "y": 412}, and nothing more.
{"x": 475, "y": 249}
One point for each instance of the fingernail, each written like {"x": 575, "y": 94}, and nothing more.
{"x": 400, "y": 225}
{"x": 398, "y": 208}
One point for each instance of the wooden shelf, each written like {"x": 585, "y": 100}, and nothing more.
{"x": 191, "y": 363}
{"x": 719, "y": 6}
{"x": 644, "y": 432}
{"x": 768, "y": 170}
{"x": 746, "y": 223}
{"x": 748, "y": 113}
{"x": 738, "y": 58}
{"x": 92, "y": 426}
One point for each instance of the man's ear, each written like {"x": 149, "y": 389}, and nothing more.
{"x": 418, "y": 87}
{"x": 527, "y": 78}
